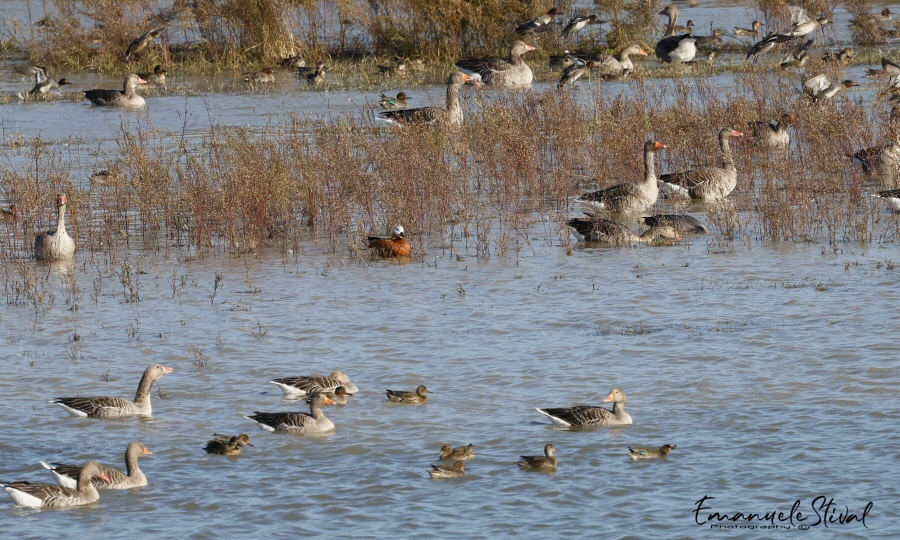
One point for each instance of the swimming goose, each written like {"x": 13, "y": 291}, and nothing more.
{"x": 546, "y": 462}
{"x": 451, "y": 116}
{"x": 630, "y": 197}
{"x": 67, "y": 475}
{"x": 141, "y": 42}
{"x": 767, "y": 43}
{"x": 773, "y": 135}
{"x": 454, "y": 471}
{"x": 578, "y": 22}
{"x": 638, "y": 453}
{"x": 597, "y": 229}
{"x": 573, "y": 73}
{"x": 55, "y": 245}
{"x": 500, "y": 72}
{"x": 338, "y": 397}
{"x": 111, "y": 407}
{"x": 820, "y": 87}
{"x": 884, "y": 160}
{"x": 401, "y": 396}
{"x": 53, "y": 496}
{"x": 708, "y": 183}
{"x": 42, "y": 81}
{"x": 157, "y": 77}
{"x": 539, "y": 24}
{"x": 301, "y": 386}
{"x": 754, "y": 32}
{"x": 399, "y": 102}
{"x": 461, "y": 453}
{"x": 610, "y": 67}
{"x": 587, "y": 415}
{"x": 682, "y": 223}
{"x": 394, "y": 245}
{"x": 126, "y": 97}
{"x": 224, "y": 445}
{"x": 264, "y": 76}
{"x": 295, "y": 423}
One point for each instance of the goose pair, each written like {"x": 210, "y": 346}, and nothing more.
{"x": 55, "y": 245}
{"x": 114, "y": 407}
{"x": 126, "y": 97}
{"x": 68, "y": 475}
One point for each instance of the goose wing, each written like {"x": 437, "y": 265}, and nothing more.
{"x": 282, "y": 421}
{"x": 97, "y": 406}
{"x": 419, "y": 115}
{"x": 692, "y": 178}
{"x": 611, "y": 195}
{"x": 581, "y": 415}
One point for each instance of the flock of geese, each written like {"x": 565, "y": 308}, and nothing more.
{"x": 78, "y": 485}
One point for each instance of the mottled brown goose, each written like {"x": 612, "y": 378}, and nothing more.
{"x": 55, "y": 245}
{"x": 708, "y": 183}
{"x": 512, "y": 71}
{"x": 547, "y": 462}
{"x": 630, "y": 197}
{"x": 637, "y": 453}
{"x": 597, "y": 229}
{"x": 126, "y": 97}
{"x": 53, "y": 496}
{"x": 773, "y": 135}
{"x": 420, "y": 395}
{"x": 301, "y": 386}
{"x": 454, "y": 471}
{"x": 295, "y": 423}
{"x": 111, "y": 407}
{"x": 225, "y": 445}
{"x": 682, "y": 223}
{"x": 451, "y": 116}
{"x": 460, "y": 453}
{"x": 67, "y": 475}
{"x": 587, "y": 415}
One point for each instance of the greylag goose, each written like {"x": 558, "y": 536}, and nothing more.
{"x": 53, "y": 496}
{"x": 399, "y": 102}
{"x": 638, "y": 453}
{"x": 539, "y": 24}
{"x": 67, "y": 475}
{"x": 419, "y": 396}
{"x": 451, "y": 116}
{"x": 158, "y": 76}
{"x": 301, "y": 386}
{"x": 264, "y": 76}
{"x": 512, "y": 71}
{"x": 42, "y": 81}
{"x": 820, "y": 87}
{"x": 461, "y": 453}
{"x": 338, "y": 397}
{"x": 394, "y": 245}
{"x": 672, "y": 27}
{"x": 630, "y": 197}
{"x": 587, "y": 415}
{"x": 884, "y": 160}
{"x": 454, "y": 471}
{"x": 750, "y": 32}
{"x": 578, "y": 22}
{"x": 766, "y": 44}
{"x": 223, "y": 445}
{"x": 111, "y": 407}
{"x": 611, "y": 67}
{"x": 597, "y": 229}
{"x": 573, "y": 73}
{"x": 126, "y": 97}
{"x": 141, "y": 42}
{"x": 547, "y": 462}
{"x": 682, "y": 223}
{"x": 55, "y": 245}
{"x": 708, "y": 183}
{"x": 773, "y": 135}
{"x": 295, "y": 423}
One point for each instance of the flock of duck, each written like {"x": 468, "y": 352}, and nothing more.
{"x": 78, "y": 485}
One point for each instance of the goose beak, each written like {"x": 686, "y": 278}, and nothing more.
{"x": 659, "y": 146}
{"x": 329, "y": 401}
{"x": 141, "y": 81}
{"x": 104, "y": 477}
{"x": 147, "y": 452}
{"x": 529, "y": 48}
{"x": 167, "y": 370}
{"x": 735, "y": 133}
{"x": 642, "y": 52}
{"x": 609, "y": 398}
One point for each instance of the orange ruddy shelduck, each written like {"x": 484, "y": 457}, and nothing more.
{"x": 393, "y": 246}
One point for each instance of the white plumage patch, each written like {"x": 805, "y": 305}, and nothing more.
{"x": 262, "y": 426}
{"x": 70, "y": 410}
{"x": 555, "y": 420}
{"x": 24, "y": 499}
{"x": 288, "y": 389}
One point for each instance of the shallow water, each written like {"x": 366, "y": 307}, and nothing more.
{"x": 768, "y": 365}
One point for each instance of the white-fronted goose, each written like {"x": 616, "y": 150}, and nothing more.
{"x": 773, "y": 135}
{"x": 539, "y": 24}
{"x": 682, "y": 223}
{"x": 597, "y": 229}
{"x": 454, "y": 471}
{"x": 55, "y": 245}
{"x": 141, "y": 42}
{"x": 295, "y": 423}
{"x": 460, "y": 453}
{"x": 708, "y": 183}
{"x": 578, "y": 22}
{"x": 883, "y": 161}
{"x": 224, "y": 445}
{"x": 158, "y": 76}
{"x": 752, "y": 32}
{"x": 637, "y": 453}
{"x": 67, "y": 475}
{"x": 547, "y": 462}
{"x": 395, "y": 245}
{"x": 126, "y": 97}
{"x": 587, "y": 415}
{"x": 111, "y": 407}
{"x": 630, "y": 197}
{"x": 419, "y": 396}
{"x": 338, "y": 397}
{"x": 820, "y": 87}
{"x": 611, "y": 67}
{"x": 53, "y": 496}
{"x": 42, "y": 81}
{"x": 451, "y": 116}
{"x": 264, "y": 76}
{"x": 491, "y": 70}
{"x": 301, "y": 386}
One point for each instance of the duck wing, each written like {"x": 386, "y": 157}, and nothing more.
{"x": 32, "y": 71}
